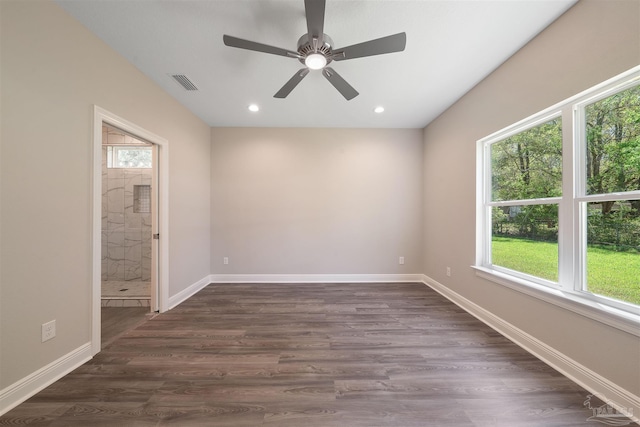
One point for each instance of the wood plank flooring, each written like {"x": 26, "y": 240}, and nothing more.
{"x": 310, "y": 355}
{"x": 118, "y": 320}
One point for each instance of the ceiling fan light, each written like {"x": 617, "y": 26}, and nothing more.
{"x": 254, "y": 108}
{"x": 379, "y": 109}
{"x": 315, "y": 61}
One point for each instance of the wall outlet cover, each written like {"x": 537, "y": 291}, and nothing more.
{"x": 48, "y": 330}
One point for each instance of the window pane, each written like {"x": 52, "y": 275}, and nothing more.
{"x": 613, "y": 143}
{"x": 528, "y": 165}
{"x": 613, "y": 249}
{"x": 525, "y": 239}
{"x": 134, "y": 157}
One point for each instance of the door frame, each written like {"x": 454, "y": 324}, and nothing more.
{"x": 101, "y": 116}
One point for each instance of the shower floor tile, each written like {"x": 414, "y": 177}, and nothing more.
{"x": 126, "y": 290}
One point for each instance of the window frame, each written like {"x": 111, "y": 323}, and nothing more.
{"x": 568, "y": 292}
{"x": 489, "y": 203}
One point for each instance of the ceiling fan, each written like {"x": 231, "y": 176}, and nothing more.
{"x": 315, "y": 50}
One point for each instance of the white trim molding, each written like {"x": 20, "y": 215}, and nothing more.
{"x": 619, "y": 398}
{"x": 316, "y": 278}
{"x": 28, "y": 386}
{"x": 187, "y": 293}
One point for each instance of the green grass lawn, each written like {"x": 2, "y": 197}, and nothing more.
{"x": 609, "y": 273}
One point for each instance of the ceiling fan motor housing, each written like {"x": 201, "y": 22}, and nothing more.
{"x": 305, "y": 47}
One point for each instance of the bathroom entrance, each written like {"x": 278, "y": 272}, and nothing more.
{"x": 128, "y": 209}
{"x": 130, "y": 226}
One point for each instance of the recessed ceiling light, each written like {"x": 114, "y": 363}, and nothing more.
{"x": 378, "y": 110}
{"x": 254, "y": 108}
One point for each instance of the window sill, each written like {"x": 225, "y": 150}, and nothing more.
{"x": 619, "y": 319}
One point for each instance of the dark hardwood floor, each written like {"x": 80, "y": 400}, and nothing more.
{"x": 310, "y": 355}
{"x": 118, "y": 320}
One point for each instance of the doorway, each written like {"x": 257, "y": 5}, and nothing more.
{"x": 127, "y": 220}
{"x": 130, "y": 226}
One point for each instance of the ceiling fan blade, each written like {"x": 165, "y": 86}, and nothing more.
{"x": 389, "y": 44}
{"x": 339, "y": 83}
{"x": 314, "y": 10}
{"x": 292, "y": 83}
{"x": 258, "y": 47}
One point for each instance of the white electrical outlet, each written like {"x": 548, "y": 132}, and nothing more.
{"x": 48, "y": 330}
{"x": 449, "y": 271}
{"x": 225, "y": 260}
{"x": 401, "y": 260}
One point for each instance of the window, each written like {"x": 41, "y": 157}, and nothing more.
{"x": 122, "y": 156}
{"x": 609, "y": 143}
{"x": 559, "y": 201}
{"x": 526, "y": 183}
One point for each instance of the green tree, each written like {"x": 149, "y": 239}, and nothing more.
{"x": 528, "y": 165}
{"x": 613, "y": 145}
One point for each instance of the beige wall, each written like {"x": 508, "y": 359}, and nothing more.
{"x": 316, "y": 201}
{"x": 53, "y": 72}
{"x": 593, "y": 41}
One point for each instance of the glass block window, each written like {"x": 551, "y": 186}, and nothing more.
{"x": 141, "y": 198}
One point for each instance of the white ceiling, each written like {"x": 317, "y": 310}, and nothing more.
{"x": 451, "y": 46}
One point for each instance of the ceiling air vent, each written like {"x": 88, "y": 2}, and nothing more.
{"x": 184, "y": 81}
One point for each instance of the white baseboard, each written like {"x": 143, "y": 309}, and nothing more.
{"x": 316, "y": 278}
{"x": 619, "y": 398}
{"x": 23, "y": 389}
{"x": 187, "y": 293}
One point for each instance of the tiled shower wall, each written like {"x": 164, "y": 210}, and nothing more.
{"x": 126, "y": 235}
